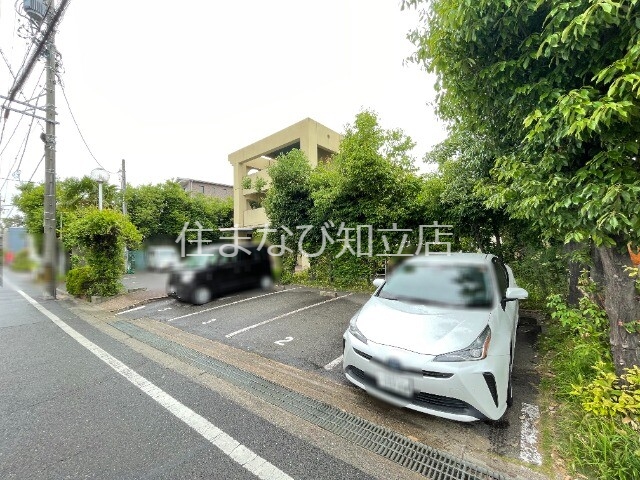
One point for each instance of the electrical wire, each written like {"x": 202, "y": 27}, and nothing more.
{"x": 6, "y": 61}
{"x": 33, "y": 37}
{"x": 19, "y": 121}
{"x": 24, "y": 149}
{"x": 64, "y": 94}
{"x": 35, "y": 169}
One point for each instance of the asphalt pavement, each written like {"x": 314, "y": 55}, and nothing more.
{"x": 78, "y": 413}
{"x": 76, "y": 403}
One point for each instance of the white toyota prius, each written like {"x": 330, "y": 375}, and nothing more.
{"x": 438, "y": 337}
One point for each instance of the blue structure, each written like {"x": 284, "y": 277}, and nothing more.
{"x": 15, "y": 239}
{"x": 36, "y": 9}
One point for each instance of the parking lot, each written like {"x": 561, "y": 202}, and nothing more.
{"x": 303, "y": 327}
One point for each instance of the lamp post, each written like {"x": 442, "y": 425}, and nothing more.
{"x": 100, "y": 175}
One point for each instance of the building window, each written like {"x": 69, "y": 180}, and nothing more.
{"x": 202, "y": 188}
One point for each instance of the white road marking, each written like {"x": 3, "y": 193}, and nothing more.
{"x": 282, "y": 342}
{"x": 333, "y": 363}
{"x": 209, "y": 321}
{"x": 232, "y": 303}
{"x": 529, "y": 434}
{"x": 250, "y": 327}
{"x": 231, "y": 447}
{"x": 164, "y": 309}
{"x": 131, "y": 310}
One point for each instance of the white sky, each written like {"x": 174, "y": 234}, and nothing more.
{"x": 174, "y": 87}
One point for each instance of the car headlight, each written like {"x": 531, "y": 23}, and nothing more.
{"x": 187, "y": 277}
{"x": 354, "y": 330}
{"x": 476, "y": 351}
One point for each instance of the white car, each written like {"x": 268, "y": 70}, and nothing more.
{"x": 162, "y": 258}
{"x": 438, "y": 337}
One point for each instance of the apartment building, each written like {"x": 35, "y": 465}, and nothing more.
{"x": 318, "y": 142}
{"x": 210, "y": 189}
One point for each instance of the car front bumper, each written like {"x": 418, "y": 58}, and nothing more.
{"x": 462, "y": 391}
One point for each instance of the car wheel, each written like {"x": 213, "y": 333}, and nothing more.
{"x": 266, "y": 282}
{"x": 201, "y": 295}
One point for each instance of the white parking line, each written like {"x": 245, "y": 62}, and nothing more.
{"x": 232, "y": 303}
{"x": 529, "y": 434}
{"x": 333, "y": 363}
{"x": 250, "y": 327}
{"x": 230, "y": 446}
{"x": 131, "y": 310}
{"x": 209, "y": 321}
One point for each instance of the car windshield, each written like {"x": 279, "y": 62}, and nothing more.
{"x": 204, "y": 258}
{"x": 445, "y": 284}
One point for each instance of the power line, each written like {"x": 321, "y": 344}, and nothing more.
{"x": 24, "y": 149}
{"x": 35, "y": 169}
{"x": 19, "y": 121}
{"x": 32, "y": 36}
{"x": 6, "y": 61}
{"x": 17, "y": 86}
{"x": 64, "y": 94}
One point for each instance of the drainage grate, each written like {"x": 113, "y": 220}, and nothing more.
{"x": 400, "y": 449}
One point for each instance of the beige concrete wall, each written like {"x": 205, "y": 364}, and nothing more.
{"x": 308, "y": 133}
{"x": 255, "y": 218}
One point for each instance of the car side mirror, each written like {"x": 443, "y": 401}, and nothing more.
{"x": 516, "y": 293}
{"x": 378, "y": 282}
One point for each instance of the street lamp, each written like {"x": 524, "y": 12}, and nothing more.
{"x": 100, "y": 175}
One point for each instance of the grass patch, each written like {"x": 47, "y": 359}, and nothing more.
{"x": 593, "y": 428}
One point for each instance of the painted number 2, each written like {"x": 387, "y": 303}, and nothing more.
{"x": 282, "y": 342}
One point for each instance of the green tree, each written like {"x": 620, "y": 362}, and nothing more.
{"x": 158, "y": 211}
{"x": 74, "y": 193}
{"x": 99, "y": 237}
{"x": 371, "y": 181}
{"x": 161, "y": 211}
{"x": 71, "y": 194}
{"x": 30, "y": 201}
{"x": 288, "y": 202}
{"x": 551, "y": 89}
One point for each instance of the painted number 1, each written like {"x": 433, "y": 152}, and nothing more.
{"x": 282, "y": 342}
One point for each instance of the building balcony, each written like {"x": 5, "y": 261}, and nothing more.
{"x": 256, "y": 217}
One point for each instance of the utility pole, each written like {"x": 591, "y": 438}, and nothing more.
{"x": 50, "y": 237}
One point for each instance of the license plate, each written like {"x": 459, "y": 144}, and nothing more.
{"x": 395, "y": 383}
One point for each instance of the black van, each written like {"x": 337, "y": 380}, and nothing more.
{"x": 219, "y": 269}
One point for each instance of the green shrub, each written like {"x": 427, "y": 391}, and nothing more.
{"x": 22, "y": 262}
{"x": 101, "y": 235}
{"x": 608, "y": 395}
{"x": 542, "y": 272}
{"x": 596, "y": 427}
{"x": 80, "y": 280}
{"x": 259, "y": 184}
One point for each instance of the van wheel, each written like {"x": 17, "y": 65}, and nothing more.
{"x": 201, "y": 295}
{"x": 266, "y": 282}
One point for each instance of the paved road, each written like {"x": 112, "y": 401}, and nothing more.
{"x": 65, "y": 412}
{"x": 84, "y": 395}
{"x": 303, "y": 328}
